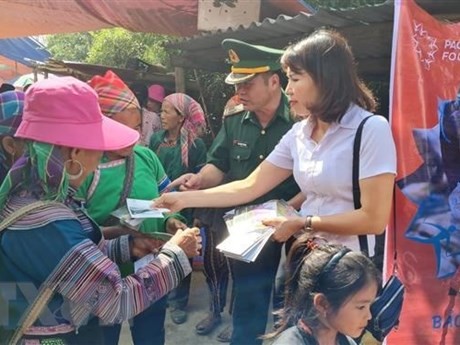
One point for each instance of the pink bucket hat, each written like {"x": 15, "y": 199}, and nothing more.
{"x": 157, "y": 93}
{"x": 65, "y": 111}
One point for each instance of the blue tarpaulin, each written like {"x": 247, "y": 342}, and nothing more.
{"x": 24, "y": 50}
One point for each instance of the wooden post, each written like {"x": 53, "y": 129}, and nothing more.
{"x": 179, "y": 74}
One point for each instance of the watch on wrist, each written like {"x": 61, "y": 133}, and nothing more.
{"x": 308, "y": 223}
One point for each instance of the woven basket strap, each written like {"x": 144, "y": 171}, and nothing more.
{"x": 129, "y": 179}
{"x": 35, "y": 309}
{"x": 19, "y": 213}
{"x": 31, "y": 314}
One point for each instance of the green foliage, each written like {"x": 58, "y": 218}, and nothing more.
{"x": 71, "y": 47}
{"x": 215, "y": 93}
{"x": 111, "y": 47}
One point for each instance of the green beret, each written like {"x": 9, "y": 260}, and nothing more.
{"x": 247, "y": 60}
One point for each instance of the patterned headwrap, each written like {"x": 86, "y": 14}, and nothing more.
{"x": 114, "y": 95}
{"x": 194, "y": 121}
{"x": 39, "y": 173}
{"x": 11, "y": 106}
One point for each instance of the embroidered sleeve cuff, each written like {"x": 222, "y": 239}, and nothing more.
{"x": 118, "y": 249}
{"x": 125, "y": 252}
{"x": 175, "y": 252}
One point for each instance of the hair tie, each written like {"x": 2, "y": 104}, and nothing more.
{"x": 311, "y": 244}
{"x": 330, "y": 265}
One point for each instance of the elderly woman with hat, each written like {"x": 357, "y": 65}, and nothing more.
{"x": 128, "y": 173}
{"x": 178, "y": 145}
{"x": 181, "y": 151}
{"x": 11, "y": 105}
{"x": 151, "y": 122}
{"x": 57, "y": 272}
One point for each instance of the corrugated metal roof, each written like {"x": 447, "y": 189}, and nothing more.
{"x": 369, "y": 30}
{"x": 84, "y": 71}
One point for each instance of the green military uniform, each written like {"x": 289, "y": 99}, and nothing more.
{"x": 241, "y": 145}
{"x": 248, "y": 60}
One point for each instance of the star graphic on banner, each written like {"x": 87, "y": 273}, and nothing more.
{"x": 434, "y": 222}
{"x": 429, "y": 176}
{"x": 421, "y": 39}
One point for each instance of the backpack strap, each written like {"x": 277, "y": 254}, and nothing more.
{"x": 355, "y": 180}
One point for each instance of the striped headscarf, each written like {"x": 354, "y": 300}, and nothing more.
{"x": 194, "y": 121}
{"x": 11, "y": 107}
{"x": 39, "y": 173}
{"x": 114, "y": 95}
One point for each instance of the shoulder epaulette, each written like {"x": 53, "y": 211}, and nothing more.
{"x": 233, "y": 110}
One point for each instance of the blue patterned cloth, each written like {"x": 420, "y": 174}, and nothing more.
{"x": 11, "y": 107}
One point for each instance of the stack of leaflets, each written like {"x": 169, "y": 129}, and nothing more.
{"x": 247, "y": 233}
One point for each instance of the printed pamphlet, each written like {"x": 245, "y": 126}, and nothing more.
{"x": 247, "y": 233}
{"x": 143, "y": 209}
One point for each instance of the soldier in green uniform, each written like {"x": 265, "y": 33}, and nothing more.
{"x": 244, "y": 140}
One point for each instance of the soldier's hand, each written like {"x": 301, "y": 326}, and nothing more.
{"x": 192, "y": 182}
{"x": 186, "y": 182}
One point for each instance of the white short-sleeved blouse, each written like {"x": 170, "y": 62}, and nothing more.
{"x": 323, "y": 170}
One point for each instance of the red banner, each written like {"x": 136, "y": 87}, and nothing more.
{"x": 425, "y": 119}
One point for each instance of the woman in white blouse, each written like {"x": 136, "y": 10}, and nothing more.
{"x": 318, "y": 150}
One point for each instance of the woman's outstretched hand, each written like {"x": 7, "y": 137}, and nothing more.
{"x": 189, "y": 240}
{"x": 172, "y": 201}
{"x": 284, "y": 227}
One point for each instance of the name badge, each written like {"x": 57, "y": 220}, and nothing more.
{"x": 239, "y": 143}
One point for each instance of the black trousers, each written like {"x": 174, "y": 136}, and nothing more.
{"x": 178, "y": 297}
{"x": 147, "y": 327}
{"x": 216, "y": 271}
{"x": 253, "y": 284}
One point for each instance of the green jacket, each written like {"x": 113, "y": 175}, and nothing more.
{"x": 170, "y": 157}
{"x": 102, "y": 190}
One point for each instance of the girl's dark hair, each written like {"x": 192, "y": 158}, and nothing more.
{"x": 305, "y": 264}
{"x": 326, "y": 56}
